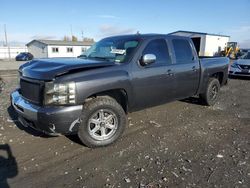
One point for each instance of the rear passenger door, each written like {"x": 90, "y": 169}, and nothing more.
{"x": 186, "y": 68}
{"x": 153, "y": 84}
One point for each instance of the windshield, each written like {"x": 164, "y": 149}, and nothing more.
{"x": 246, "y": 56}
{"x": 112, "y": 49}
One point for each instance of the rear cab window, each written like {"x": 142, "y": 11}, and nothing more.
{"x": 159, "y": 48}
{"x": 183, "y": 51}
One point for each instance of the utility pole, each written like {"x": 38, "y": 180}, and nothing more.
{"x": 71, "y": 31}
{"x": 82, "y": 36}
{"x": 6, "y": 40}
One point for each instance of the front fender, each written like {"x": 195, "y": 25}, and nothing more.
{"x": 103, "y": 82}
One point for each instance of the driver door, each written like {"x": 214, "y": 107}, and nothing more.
{"x": 153, "y": 84}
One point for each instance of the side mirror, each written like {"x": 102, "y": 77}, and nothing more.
{"x": 147, "y": 59}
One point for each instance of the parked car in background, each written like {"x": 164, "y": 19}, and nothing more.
{"x": 82, "y": 55}
{"x": 24, "y": 56}
{"x": 242, "y": 52}
{"x": 90, "y": 96}
{"x": 241, "y": 67}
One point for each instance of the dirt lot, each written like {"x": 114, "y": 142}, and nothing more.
{"x": 181, "y": 144}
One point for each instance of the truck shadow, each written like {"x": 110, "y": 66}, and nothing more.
{"x": 193, "y": 100}
{"x": 238, "y": 77}
{"x": 8, "y": 165}
{"x": 74, "y": 138}
{"x": 14, "y": 117}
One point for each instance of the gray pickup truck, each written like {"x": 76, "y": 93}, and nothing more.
{"x": 91, "y": 95}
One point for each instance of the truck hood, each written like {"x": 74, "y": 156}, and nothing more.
{"x": 47, "y": 69}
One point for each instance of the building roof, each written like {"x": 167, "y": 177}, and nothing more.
{"x": 63, "y": 43}
{"x": 199, "y": 33}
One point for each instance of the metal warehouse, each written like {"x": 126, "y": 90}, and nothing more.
{"x": 57, "y": 48}
{"x": 206, "y": 44}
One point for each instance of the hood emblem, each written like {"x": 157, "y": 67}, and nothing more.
{"x": 245, "y": 67}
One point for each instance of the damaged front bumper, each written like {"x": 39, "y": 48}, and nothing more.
{"x": 50, "y": 120}
{"x": 239, "y": 72}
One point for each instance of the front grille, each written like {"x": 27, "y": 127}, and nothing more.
{"x": 242, "y": 73}
{"x": 247, "y": 67}
{"x": 32, "y": 91}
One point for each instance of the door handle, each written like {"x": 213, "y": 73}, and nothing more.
{"x": 194, "y": 68}
{"x": 169, "y": 72}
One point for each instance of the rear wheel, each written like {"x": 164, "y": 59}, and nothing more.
{"x": 103, "y": 121}
{"x": 210, "y": 96}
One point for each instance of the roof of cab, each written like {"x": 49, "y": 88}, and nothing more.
{"x": 145, "y": 36}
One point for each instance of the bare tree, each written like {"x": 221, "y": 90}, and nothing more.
{"x": 74, "y": 38}
{"x": 66, "y": 38}
{"x": 88, "y": 39}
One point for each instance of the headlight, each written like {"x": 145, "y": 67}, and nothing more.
{"x": 234, "y": 65}
{"x": 59, "y": 93}
{"x": 18, "y": 79}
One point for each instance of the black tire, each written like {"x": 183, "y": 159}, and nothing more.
{"x": 210, "y": 96}
{"x": 95, "y": 106}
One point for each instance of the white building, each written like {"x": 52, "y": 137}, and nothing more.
{"x": 57, "y": 48}
{"x": 206, "y": 44}
{"x": 11, "y": 52}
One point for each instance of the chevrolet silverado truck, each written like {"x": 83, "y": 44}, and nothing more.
{"x": 91, "y": 95}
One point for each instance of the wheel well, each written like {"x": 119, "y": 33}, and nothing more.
{"x": 120, "y": 95}
{"x": 219, "y": 76}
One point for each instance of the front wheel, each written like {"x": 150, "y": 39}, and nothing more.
{"x": 103, "y": 121}
{"x": 210, "y": 96}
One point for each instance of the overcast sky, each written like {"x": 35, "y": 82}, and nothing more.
{"x": 47, "y": 19}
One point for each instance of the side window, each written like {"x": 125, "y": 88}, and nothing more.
{"x": 69, "y": 50}
{"x": 159, "y": 48}
{"x": 183, "y": 51}
{"x": 55, "y": 50}
{"x": 84, "y": 49}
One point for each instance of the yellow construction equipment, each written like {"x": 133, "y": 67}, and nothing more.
{"x": 231, "y": 50}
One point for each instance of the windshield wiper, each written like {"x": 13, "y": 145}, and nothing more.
{"x": 82, "y": 56}
{"x": 99, "y": 57}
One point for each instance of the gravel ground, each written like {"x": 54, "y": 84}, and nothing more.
{"x": 180, "y": 144}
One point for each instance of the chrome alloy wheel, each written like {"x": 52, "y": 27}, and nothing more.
{"x": 214, "y": 92}
{"x": 103, "y": 124}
